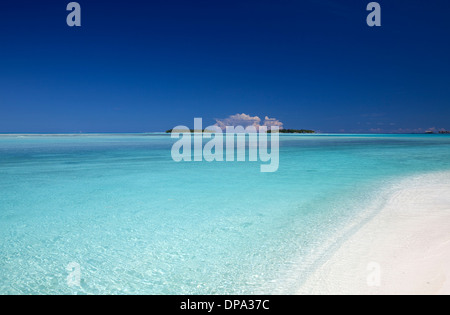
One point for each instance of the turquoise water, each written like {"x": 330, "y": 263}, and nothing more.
{"x": 138, "y": 223}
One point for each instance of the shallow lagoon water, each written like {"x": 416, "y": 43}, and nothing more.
{"x": 136, "y": 222}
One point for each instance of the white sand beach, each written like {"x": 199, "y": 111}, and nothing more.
{"x": 405, "y": 249}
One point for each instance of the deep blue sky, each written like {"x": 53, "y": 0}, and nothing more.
{"x": 137, "y": 66}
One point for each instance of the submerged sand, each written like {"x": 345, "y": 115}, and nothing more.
{"x": 404, "y": 249}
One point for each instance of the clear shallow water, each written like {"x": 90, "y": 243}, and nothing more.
{"x": 138, "y": 223}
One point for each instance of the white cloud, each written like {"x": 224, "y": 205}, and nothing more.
{"x": 269, "y": 122}
{"x": 245, "y": 121}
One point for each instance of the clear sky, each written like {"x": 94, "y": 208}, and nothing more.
{"x": 138, "y": 66}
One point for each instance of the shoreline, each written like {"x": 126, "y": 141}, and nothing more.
{"x": 404, "y": 249}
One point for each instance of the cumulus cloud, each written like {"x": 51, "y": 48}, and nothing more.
{"x": 245, "y": 121}
{"x": 269, "y": 122}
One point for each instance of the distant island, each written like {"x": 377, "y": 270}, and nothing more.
{"x": 442, "y": 132}
{"x": 286, "y": 131}
{"x": 191, "y": 130}
{"x": 295, "y": 131}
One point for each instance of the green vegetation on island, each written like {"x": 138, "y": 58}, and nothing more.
{"x": 183, "y": 130}
{"x": 289, "y": 131}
